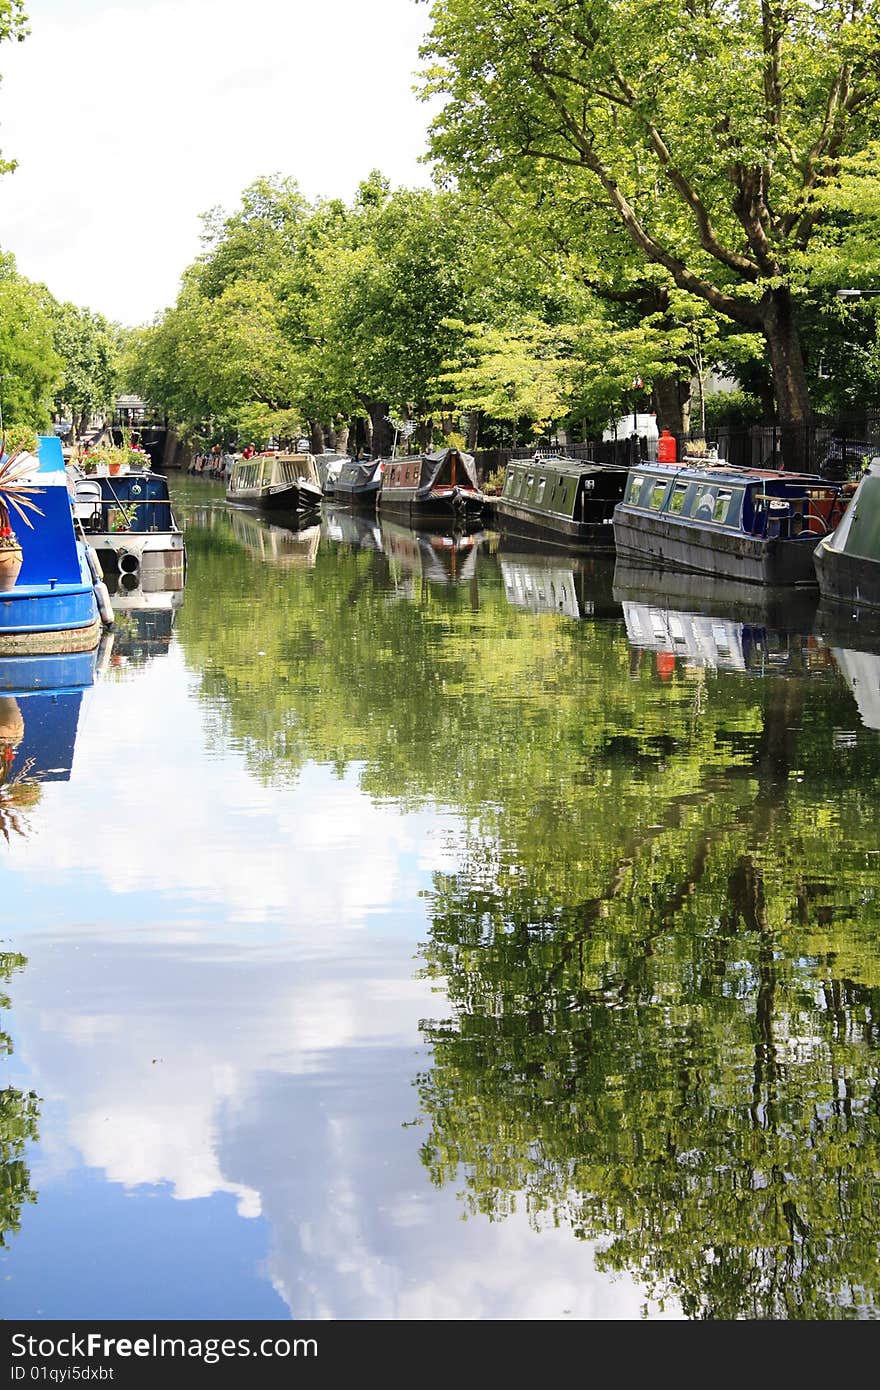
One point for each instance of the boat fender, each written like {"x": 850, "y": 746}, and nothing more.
{"x": 94, "y": 564}
{"x": 105, "y": 607}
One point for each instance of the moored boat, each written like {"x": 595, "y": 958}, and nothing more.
{"x": 848, "y": 560}
{"x": 57, "y": 601}
{"x": 128, "y": 520}
{"x": 276, "y": 482}
{"x": 751, "y": 525}
{"x": 424, "y": 488}
{"x": 358, "y": 483}
{"x": 560, "y": 500}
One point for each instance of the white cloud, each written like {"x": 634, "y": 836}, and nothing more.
{"x": 129, "y": 120}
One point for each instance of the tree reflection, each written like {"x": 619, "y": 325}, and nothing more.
{"x": 676, "y": 1055}
{"x": 661, "y": 941}
{"x": 19, "y": 1114}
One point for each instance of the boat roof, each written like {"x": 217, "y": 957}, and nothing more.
{"x": 721, "y": 469}
{"x": 561, "y": 464}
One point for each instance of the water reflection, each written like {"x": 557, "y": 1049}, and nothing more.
{"x": 286, "y": 541}
{"x": 574, "y": 586}
{"x": 436, "y": 556}
{"x": 360, "y": 530}
{"x": 453, "y": 910}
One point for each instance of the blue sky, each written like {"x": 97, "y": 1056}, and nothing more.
{"x": 130, "y": 119}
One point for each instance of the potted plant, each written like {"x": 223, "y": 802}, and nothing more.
{"x": 15, "y": 493}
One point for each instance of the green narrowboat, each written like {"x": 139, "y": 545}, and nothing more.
{"x": 562, "y": 501}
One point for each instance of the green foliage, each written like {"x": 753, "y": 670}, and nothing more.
{"x": 711, "y": 138}
{"x": 13, "y": 25}
{"x": 29, "y": 363}
{"x": 89, "y": 348}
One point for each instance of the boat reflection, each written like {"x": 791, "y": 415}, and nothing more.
{"x": 290, "y": 541}
{"x": 144, "y": 620}
{"x": 715, "y": 624}
{"x": 358, "y": 530}
{"x": 440, "y": 557}
{"x": 853, "y": 637}
{"x": 40, "y": 705}
{"x": 550, "y": 581}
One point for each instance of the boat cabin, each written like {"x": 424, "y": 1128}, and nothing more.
{"x": 757, "y": 503}
{"x": 564, "y": 488}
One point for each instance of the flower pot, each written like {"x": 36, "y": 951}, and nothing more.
{"x": 10, "y": 564}
{"x": 114, "y": 468}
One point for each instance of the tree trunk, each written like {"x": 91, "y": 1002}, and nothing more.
{"x": 789, "y": 379}
{"x": 316, "y": 430}
{"x": 672, "y": 402}
{"x": 342, "y": 430}
{"x": 330, "y": 437}
{"x": 383, "y": 433}
{"x": 475, "y": 418}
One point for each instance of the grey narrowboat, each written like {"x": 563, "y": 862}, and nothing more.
{"x": 752, "y": 525}
{"x": 358, "y": 483}
{"x": 561, "y": 501}
{"x": 426, "y": 488}
{"x": 848, "y": 560}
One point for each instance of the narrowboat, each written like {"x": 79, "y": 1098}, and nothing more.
{"x": 276, "y": 482}
{"x": 752, "y": 525}
{"x": 58, "y": 601}
{"x": 562, "y": 501}
{"x": 431, "y": 487}
{"x": 848, "y": 560}
{"x": 358, "y": 483}
{"x": 127, "y": 519}
{"x": 329, "y": 465}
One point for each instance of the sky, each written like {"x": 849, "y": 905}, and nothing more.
{"x": 130, "y": 119}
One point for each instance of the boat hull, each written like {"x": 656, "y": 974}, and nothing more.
{"x": 847, "y": 578}
{"x": 35, "y": 619}
{"x": 667, "y": 544}
{"x": 507, "y": 517}
{"x": 449, "y": 505}
{"x": 366, "y": 496}
{"x": 288, "y": 497}
{"x": 159, "y": 557}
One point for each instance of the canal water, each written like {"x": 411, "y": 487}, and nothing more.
{"x": 399, "y": 930}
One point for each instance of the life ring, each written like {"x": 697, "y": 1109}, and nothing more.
{"x": 105, "y": 607}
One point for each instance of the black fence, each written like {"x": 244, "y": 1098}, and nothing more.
{"x": 839, "y": 450}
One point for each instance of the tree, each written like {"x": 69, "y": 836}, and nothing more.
{"x": 29, "y": 365}
{"x": 13, "y": 25}
{"x": 89, "y": 350}
{"x": 709, "y": 129}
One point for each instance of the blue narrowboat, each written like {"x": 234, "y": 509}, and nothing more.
{"x": 561, "y": 501}
{"x": 53, "y": 605}
{"x": 848, "y": 560}
{"x": 751, "y": 525}
{"x": 127, "y": 518}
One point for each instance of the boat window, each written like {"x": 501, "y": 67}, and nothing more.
{"x": 676, "y": 501}
{"x": 634, "y": 487}
{"x": 508, "y": 482}
{"x": 722, "y": 505}
{"x": 704, "y": 505}
{"x": 657, "y": 494}
{"x": 542, "y": 485}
